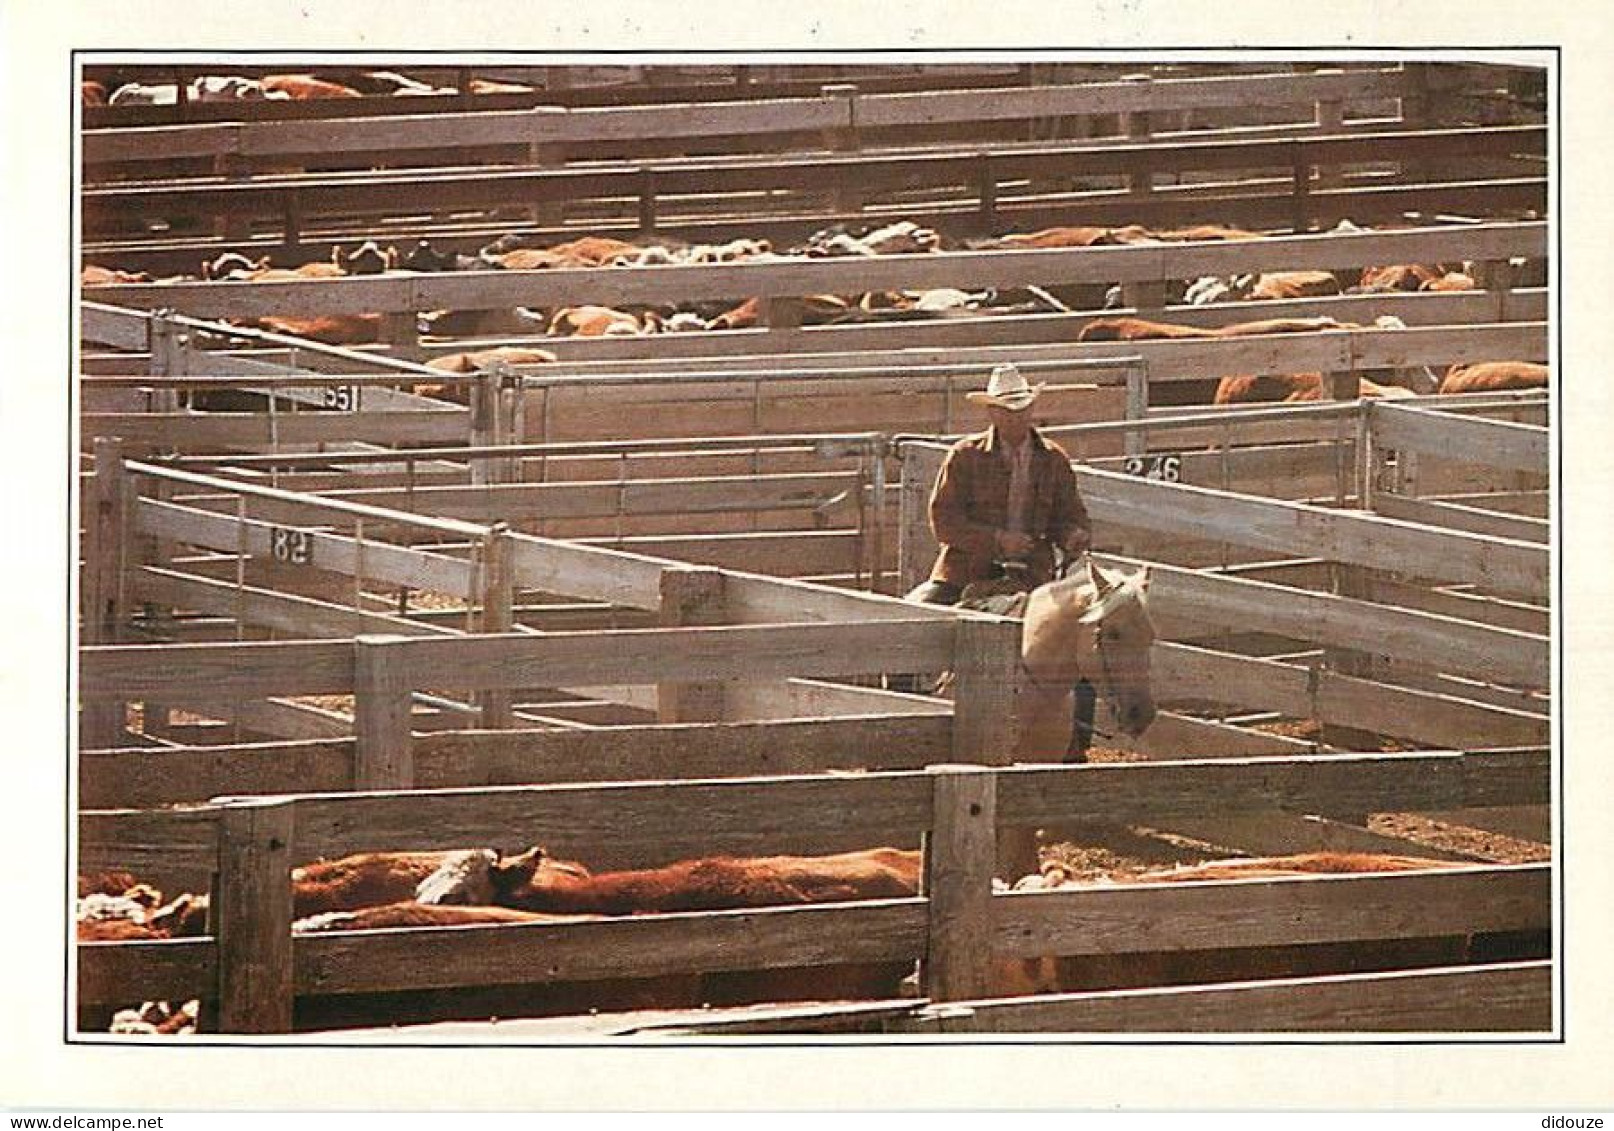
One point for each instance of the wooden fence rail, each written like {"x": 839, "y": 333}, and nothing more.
{"x": 984, "y": 173}
{"x": 550, "y": 125}
{"x": 1001, "y": 269}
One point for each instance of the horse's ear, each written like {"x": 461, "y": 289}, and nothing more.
{"x": 1102, "y": 583}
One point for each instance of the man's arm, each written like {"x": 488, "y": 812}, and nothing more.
{"x": 949, "y": 511}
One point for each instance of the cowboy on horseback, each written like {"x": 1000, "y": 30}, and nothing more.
{"x": 1005, "y": 508}
{"x": 1005, "y": 501}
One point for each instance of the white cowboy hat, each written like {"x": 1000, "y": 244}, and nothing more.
{"x": 1006, "y": 389}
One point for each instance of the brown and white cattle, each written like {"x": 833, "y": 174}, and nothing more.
{"x": 600, "y": 322}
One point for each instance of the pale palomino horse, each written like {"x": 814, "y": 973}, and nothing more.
{"x": 1089, "y": 627}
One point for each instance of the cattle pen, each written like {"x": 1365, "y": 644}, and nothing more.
{"x": 637, "y": 600}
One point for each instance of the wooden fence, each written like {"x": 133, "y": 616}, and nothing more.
{"x": 842, "y": 110}
{"x": 673, "y": 195}
{"x": 782, "y": 285}
{"x": 254, "y": 968}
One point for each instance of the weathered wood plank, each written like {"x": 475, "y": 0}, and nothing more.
{"x": 265, "y": 608}
{"x": 1331, "y": 698}
{"x": 1453, "y": 516}
{"x": 382, "y": 561}
{"x": 383, "y": 752}
{"x": 960, "y": 858}
{"x": 638, "y": 946}
{"x": 250, "y": 916}
{"x": 125, "y": 974}
{"x": 1505, "y": 998}
{"x": 640, "y": 656}
{"x": 664, "y": 752}
{"x": 1312, "y": 531}
{"x": 137, "y": 777}
{"x": 1155, "y": 793}
{"x": 1496, "y": 443}
{"x": 215, "y": 431}
{"x": 224, "y": 671}
{"x": 648, "y": 823}
{"x": 1130, "y": 918}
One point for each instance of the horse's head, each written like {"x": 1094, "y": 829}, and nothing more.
{"x": 1094, "y": 625}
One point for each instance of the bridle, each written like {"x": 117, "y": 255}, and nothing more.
{"x": 1062, "y": 568}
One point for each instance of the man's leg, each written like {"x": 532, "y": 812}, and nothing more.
{"x": 935, "y": 593}
{"x": 1085, "y": 705}
{"x": 926, "y": 593}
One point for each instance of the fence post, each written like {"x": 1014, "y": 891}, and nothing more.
{"x": 1146, "y": 297}
{"x": 1137, "y": 408}
{"x": 383, "y": 756}
{"x": 691, "y": 595}
{"x": 1138, "y": 127}
{"x": 959, "y": 854}
{"x": 845, "y": 139}
{"x": 400, "y": 332}
{"x": 1418, "y": 112}
{"x": 105, "y": 519}
{"x": 547, "y": 150}
{"x": 484, "y": 425}
{"x": 987, "y": 185}
{"x": 170, "y": 357}
{"x": 251, "y": 914}
{"x": 1330, "y": 120}
{"x": 986, "y": 716}
{"x": 496, "y": 600}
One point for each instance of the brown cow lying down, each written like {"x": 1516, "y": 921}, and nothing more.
{"x": 1294, "y": 284}
{"x": 586, "y": 251}
{"x": 599, "y": 322}
{"x": 1138, "y": 329}
{"x": 1397, "y": 277}
{"x": 94, "y": 276}
{"x": 1119, "y": 971}
{"x": 1124, "y": 329}
{"x": 1452, "y": 281}
{"x": 1494, "y": 376}
{"x": 474, "y": 362}
{"x": 372, "y": 879}
{"x": 411, "y": 913}
{"x": 536, "y": 881}
{"x": 1196, "y": 233}
{"x": 1077, "y": 237}
{"x": 332, "y": 329}
{"x": 1291, "y": 388}
{"x": 306, "y": 86}
{"x": 477, "y": 360}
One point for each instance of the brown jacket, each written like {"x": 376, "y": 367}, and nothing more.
{"x": 970, "y": 505}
